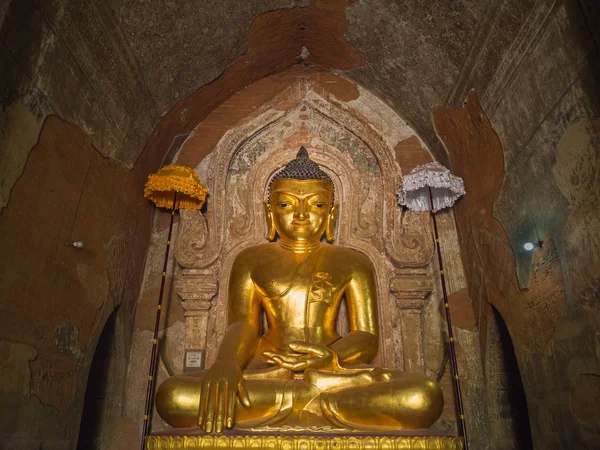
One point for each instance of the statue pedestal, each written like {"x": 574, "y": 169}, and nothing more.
{"x": 194, "y": 439}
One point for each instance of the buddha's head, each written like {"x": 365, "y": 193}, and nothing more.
{"x": 300, "y": 206}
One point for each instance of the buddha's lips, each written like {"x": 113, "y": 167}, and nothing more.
{"x": 302, "y": 225}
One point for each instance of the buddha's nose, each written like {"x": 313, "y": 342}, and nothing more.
{"x": 300, "y": 213}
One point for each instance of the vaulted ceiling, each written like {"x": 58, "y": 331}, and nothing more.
{"x": 116, "y": 67}
{"x": 415, "y": 54}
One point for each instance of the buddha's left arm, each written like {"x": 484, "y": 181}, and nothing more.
{"x": 360, "y": 345}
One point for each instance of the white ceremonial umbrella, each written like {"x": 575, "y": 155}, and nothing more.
{"x": 431, "y": 180}
{"x": 432, "y": 187}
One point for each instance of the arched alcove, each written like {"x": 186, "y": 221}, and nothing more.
{"x": 365, "y": 147}
{"x": 95, "y": 427}
{"x": 366, "y": 175}
{"x": 508, "y": 406}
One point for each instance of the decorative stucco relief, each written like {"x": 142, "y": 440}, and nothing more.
{"x": 365, "y": 174}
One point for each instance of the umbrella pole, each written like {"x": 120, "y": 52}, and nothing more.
{"x": 453, "y": 361}
{"x": 153, "y": 358}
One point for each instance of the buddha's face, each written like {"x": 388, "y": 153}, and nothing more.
{"x": 300, "y": 208}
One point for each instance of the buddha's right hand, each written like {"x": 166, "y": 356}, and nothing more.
{"x": 221, "y": 385}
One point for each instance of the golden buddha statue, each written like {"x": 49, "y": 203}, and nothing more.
{"x": 300, "y": 371}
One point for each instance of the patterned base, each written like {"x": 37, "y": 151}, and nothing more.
{"x": 316, "y": 442}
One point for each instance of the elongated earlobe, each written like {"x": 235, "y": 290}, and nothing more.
{"x": 270, "y": 223}
{"x": 331, "y": 221}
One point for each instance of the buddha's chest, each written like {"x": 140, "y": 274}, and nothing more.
{"x": 288, "y": 288}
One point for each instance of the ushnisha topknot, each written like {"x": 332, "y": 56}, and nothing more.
{"x": 301, "y": 168}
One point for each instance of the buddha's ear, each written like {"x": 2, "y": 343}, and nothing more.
{"x": 331, "y": 220}
{"x": 270, "y": 222}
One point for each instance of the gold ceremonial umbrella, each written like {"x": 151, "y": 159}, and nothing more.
{"x": 172, "y": 187}
{"x": 175, "y": 187}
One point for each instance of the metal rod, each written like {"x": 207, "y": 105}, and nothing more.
{"x": 453, "y": 360}
{"x": 153, "y": 358}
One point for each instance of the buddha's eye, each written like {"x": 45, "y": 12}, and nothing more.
{"x": 283, "y": 204}
{"x": 320, "y": 204}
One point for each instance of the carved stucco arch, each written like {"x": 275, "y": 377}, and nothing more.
{"x": 405, "y": 244}
{"x": 396, "y": 238}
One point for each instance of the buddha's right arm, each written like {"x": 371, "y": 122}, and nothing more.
{"x": 223, "y": 381}
{"x": 238, "y": 344}
{"x": 243, "y": 314}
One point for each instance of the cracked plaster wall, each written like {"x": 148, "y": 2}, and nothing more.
{"x": 529, "y": 158}
{"x": 55, "y": 299}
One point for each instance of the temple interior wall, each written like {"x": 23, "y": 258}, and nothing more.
{"x": 537, "y": 172}
{"x": 56, "y": 299}
{"x": 90, "y": 108}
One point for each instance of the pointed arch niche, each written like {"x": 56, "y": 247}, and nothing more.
{"x": 348, "y": 139}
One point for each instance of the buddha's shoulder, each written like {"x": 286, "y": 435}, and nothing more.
{"x": 346, "y": 254}
{"x": 257, "y": 251}
{"x": 264, "y": 253}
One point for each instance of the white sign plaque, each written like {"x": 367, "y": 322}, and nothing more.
{"x": 194, "y": 360}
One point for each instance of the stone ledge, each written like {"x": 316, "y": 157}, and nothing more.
{"x": 304, "y": 442}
